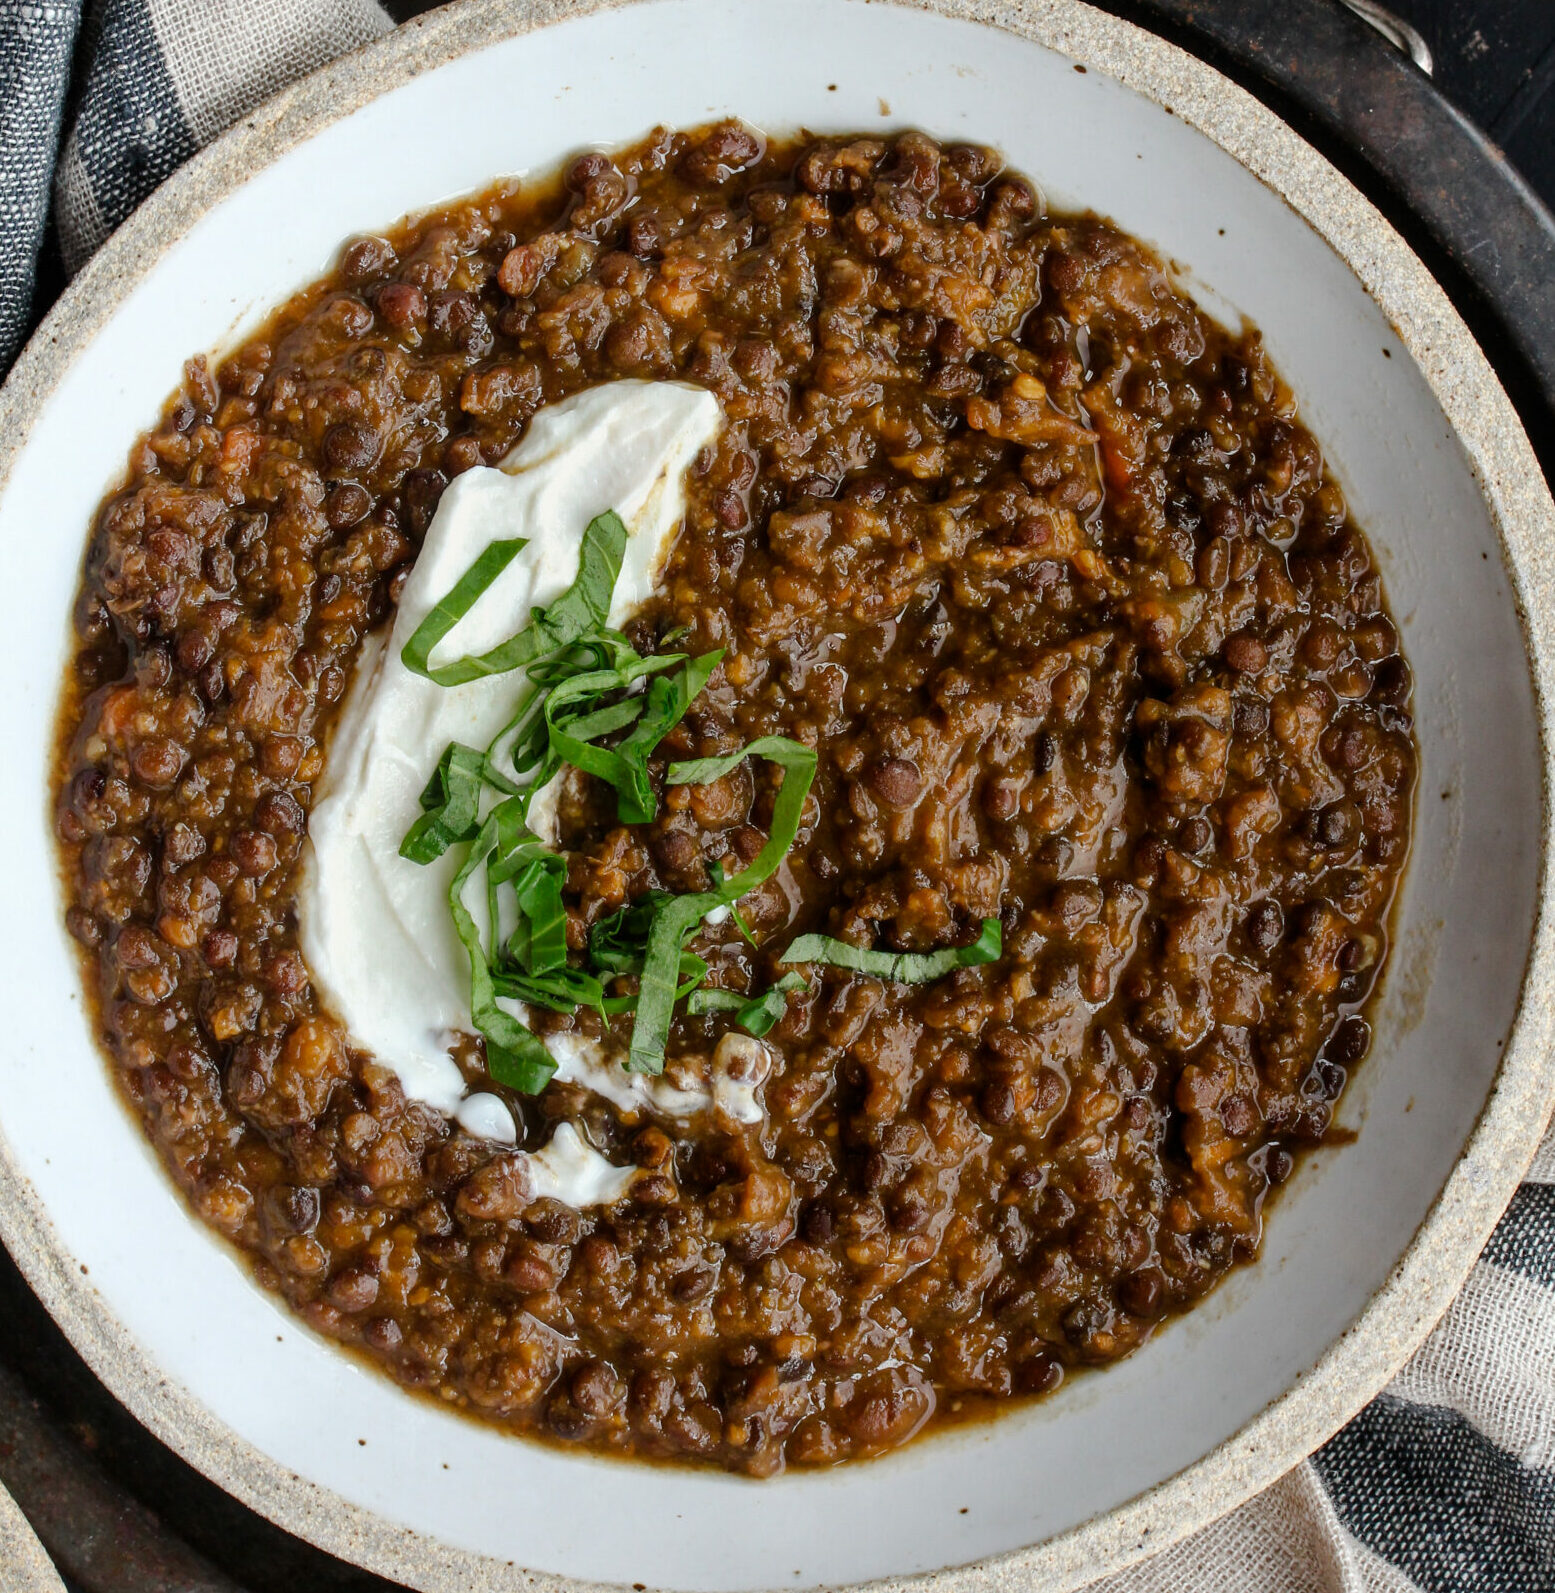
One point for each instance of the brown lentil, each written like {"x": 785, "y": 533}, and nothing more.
{"x": 1042, "y": 562}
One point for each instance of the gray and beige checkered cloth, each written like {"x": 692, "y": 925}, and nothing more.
{"x": 1444, "y": 1484}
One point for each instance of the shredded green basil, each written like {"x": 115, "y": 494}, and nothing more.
{"x": 674, "y": 919}
{"x": 705, "y": 1001}
{"x": 563, "y": 989}
{"x": 539, "y": 944}
{"x": 583, "y": 606}
{"x": 905, "y": 967}
{"x": 581, "y": 677}
{"x": 669, "y": 696}
{"x": 716, "y": 873}
{"x": 617, "y": 942}
{"x": 452, "y": 805}
{"x": 755, "y": 1014}
{"x": 691, "y": 974}
{"x": 585, "y": 683}
{"x": 514, "y": 1056}
{"x": 653, "y": 716}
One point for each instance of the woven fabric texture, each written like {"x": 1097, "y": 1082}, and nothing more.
{"x": 1446, "y": 1484}
{"x": 37, "y": 40}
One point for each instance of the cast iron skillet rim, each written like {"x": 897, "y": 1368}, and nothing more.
{"x": 1507, "y": 1134}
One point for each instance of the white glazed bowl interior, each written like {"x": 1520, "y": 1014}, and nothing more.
{"x": 1464, "y": 928}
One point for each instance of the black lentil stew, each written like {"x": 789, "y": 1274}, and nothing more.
{"x": 1041, "y": 564}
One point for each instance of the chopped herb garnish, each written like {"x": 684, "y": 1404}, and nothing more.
{"x": 585, "y": 683}
{"x": 452, "y": 803}
{"x": 756, "y": 1014}
{"x": 669, "y": 696}
{"x": 653, "y": 716}
{"x": 617, "y": 943}
{"x": 905, "y": 967}
{"x": 691, "y": 974}
{"x": 584, "y": 606}
{"x": 675, "y": 918}
{"x": 705, "y": 1001}
{"x": 539, "y": 943}
{"x": 514, "y": 1056}
{"x": 561, "y": 990}
{"x": 716, "y": 870}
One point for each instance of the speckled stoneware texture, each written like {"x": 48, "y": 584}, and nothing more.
{"x": 1432, "y": 1270}
{"x": 24, "y": 1567}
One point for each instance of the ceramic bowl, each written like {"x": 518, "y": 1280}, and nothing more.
{"x": 1368, "y": 1244}
{"x": 27, "y": 1567}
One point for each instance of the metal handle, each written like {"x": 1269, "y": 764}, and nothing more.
{"x": 1396, "y": 31}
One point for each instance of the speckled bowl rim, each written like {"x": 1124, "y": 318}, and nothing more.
{"x": 24, "y": 1563}
{"x": 1498, "y": 1152}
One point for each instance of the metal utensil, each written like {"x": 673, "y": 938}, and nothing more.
{"x": 1396, "y": 31}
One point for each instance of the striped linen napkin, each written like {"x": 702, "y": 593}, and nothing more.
{"x": 1444, "y": 1484}
{"x": 140, "y": 85}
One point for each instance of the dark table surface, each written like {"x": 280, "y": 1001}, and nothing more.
{"x": 121, "y": 1513}
{"x": 1495, "y": 59}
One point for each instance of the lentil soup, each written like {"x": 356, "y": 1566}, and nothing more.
{"x": 1041, "y": 565}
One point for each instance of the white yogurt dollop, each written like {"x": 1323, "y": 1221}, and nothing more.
{"x": 570, "y": 1170}
{"x": 487, "y": 1116}
{"x": 725, "y": 1083}
{"x": 376, "y": 929}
